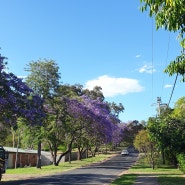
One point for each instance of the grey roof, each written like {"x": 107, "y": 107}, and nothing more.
{"x": 20, "y": 150}
{"x": 26, "y": 151}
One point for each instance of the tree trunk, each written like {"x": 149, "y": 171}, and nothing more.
{"x": 87, "y": 152}
{"x": 39, "y": 155}
{"x": 66, "y": 152}
{"x": 54, "y": 157}
{"x": 16, "y": 156}
{"x": 13, "y": 137}
{"x": 163, "y": 157}
{"x": 79, "y": 154}
{"x": 70, "y": 156}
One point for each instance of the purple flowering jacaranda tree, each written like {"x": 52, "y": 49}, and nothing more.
{"x": 103, "y": 123}
{"x": 17, "y": 99}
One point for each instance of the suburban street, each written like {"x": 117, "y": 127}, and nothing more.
{"x": 100, "y": 173}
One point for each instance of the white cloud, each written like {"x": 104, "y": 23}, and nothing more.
{"x": 167, "y": 86}
{"x": 22, "y": 77}
{"x": 112, "y": 86}
{"x": 147, "y": 69}
{"x": 138, "y": 56}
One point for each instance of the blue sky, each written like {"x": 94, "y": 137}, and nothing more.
{"x": 109, "y": 43}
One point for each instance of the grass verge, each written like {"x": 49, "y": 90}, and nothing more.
{"x": 126, "y": 179}
{"x": 166, "y": 174}
{"x": 19, "y": 173}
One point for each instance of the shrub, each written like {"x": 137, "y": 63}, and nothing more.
{"x": 181, "y": 162}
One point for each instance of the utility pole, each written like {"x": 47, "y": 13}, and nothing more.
{"x": 158, "y": 105}
{"x": 1, "y": 67}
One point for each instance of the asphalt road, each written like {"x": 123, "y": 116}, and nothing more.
{"x": 96, "y": 174}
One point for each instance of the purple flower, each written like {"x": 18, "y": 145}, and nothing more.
{"x": 16, "y": 98}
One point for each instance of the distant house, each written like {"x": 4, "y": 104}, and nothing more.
{"x": 26, "y": 157}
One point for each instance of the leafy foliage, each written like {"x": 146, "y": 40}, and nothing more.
{"x": 144, "y": 144}
{"x": 168, "y": 131}
{"x": 44, "y": 80}
{"x": 177, "y": 66}
{"x": 170, "y": 14}
{"x": 130, "y": 130}
{"x": 44, "y": 77}
{"x": 71, "y": 116}
{"x": 181, "y": 162}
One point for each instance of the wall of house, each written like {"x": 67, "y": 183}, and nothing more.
{"x": 28, "y": 159}
{"x": 9, "y": 163}
{"x": 23, "y": 159}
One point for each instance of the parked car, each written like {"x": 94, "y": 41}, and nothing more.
{"x": 124, "y": 152}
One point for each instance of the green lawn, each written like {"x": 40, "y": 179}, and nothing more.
{"x": 126, "y": 179}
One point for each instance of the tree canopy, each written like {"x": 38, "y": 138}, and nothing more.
{"x": 17, "y": 99}
{"x": 43, "y": 76}
{"x": 71, "y": 116}
{"x": 170, "y": 15}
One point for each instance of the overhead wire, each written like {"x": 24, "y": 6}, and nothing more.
{"x": 173, "y": 86}
{"x": 165, "y": 65}
{"x": 152, "y": 58}
{"x": 173, "y": 89}
{"x": 167, "y": 52}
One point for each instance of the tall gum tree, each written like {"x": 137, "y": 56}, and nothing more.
{"x": 43, "y": 78}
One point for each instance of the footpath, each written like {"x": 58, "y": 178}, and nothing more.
{"x": 146, "y": 179}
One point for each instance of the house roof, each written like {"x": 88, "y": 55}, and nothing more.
{"x": 26, "y": 151}
{"x": 20, "y": 150}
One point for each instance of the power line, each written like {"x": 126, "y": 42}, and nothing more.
{"x": 173, "y": 89}
{"x": 152, "y": 58}
{"x": 174, "y": 85}
{"x": 167, "y": 52}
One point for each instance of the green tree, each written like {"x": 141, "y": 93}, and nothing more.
{"x": 4, "y": 130}
{"x": 157, "y": 129}
{"x": 179, "y": 108}
{"x": 130, "y": 131}
{"x": 56, "y": 127}
{"x": 28, "y": 134}
{"x": 144, "y": 144}
{"x": 63, "y": 129}
{"x": 43, "y": 78}
{"x": 95, "y": 93}
{"x": 167, "y": 131}
{"x": 170, "y": 14}
{"x": 116, "y": 109}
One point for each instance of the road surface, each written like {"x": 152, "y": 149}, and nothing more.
{"x": 96, "y": 174}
